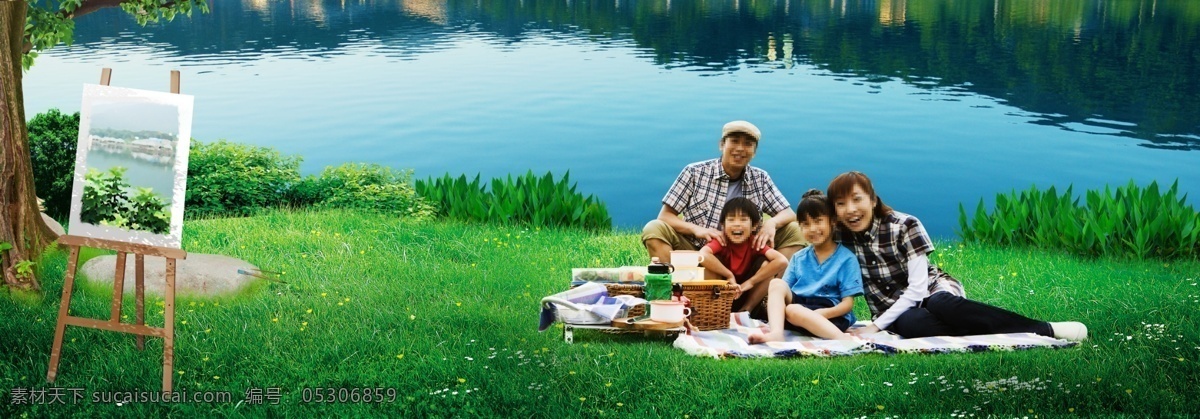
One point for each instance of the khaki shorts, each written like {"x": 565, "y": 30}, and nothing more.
{"x": 788, "y": 236}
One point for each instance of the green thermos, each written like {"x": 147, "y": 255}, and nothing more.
{"x": 658, "y": 282}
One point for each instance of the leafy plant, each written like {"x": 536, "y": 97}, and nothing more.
{"x": 226, "y": 178}
{"x": 106, "y": 202}
{"x": 1132, "y": 221}
{"x": 147, "y": 211}
{"x": 456, "y": 198}
{"x": 24, "y": 269}
{"x": 540, "y": 201}
{"x": 53, "y": 136}
{"x": 363, "y": 186}
{"x": 103, "y": 195}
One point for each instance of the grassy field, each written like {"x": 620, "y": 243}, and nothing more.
{"x": 443, "y": 317}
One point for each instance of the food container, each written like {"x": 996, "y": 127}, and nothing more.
{"x": 632, "y": 273}
{"x": 595, "y": 275}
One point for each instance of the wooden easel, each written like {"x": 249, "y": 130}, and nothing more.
{"x": 167, "y": 332}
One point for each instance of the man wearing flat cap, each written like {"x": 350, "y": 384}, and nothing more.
{"x": 691, "y": 210}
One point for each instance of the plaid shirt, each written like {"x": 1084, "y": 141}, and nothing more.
{"x": 699, "y": 193}
{"x": 883, "y": 252}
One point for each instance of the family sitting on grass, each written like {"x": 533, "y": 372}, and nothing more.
{"x": 840, "y": 246}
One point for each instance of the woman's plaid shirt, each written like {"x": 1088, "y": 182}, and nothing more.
{"x": 883, "y": 252}
{"x": 699, "y": 193}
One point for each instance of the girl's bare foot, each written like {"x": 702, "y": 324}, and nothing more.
{"x": 756, "y": 338}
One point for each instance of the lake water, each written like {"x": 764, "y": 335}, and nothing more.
{"x": 142, "y": 171}
{"x": 942, "y": 102}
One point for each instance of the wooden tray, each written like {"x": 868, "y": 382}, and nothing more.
{"x": 647, "y": 324}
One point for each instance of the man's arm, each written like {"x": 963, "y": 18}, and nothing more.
{"x": 671, "y": 217}
{"x": 766, "y": 234}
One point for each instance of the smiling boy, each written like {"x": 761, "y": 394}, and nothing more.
{"x": 737, "y": 259}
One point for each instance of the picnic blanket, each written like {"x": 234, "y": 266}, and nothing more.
{"x": 732, "y": 343}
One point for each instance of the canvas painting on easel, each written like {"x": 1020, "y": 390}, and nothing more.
{"x": 131, "y": 166}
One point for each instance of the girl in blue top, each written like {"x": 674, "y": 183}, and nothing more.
{"x": 816, "y": 294}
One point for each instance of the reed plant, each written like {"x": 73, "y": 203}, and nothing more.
{"x": 1130, "y": 221}
{"x": 529, "y": 199}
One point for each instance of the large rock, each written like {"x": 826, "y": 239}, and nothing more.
{"x": 54, "y": 225}
{"x": 199, "y": 275}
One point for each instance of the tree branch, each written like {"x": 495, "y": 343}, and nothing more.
{"x": 89, "y": 7}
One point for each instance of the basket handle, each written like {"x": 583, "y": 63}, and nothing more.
{"x": 564, "y": 303}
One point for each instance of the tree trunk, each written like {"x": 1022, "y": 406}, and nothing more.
{"x": 21, "y": 223}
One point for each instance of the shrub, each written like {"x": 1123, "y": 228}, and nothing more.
{"x": 103, "y": 195}
{"x": 106, "y": 202}
{"x": 235, "y": 179}
{"x": 147, "y": 211}
{"x": 528, "y": 199}
{"x": 362, "y": 186}
{"x": 1134, "y": 222}
{"x": 53, "y": 136}
{"x": 305, "y": 192}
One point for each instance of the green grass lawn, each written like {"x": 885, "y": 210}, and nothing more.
{"x": 445, "y": 314}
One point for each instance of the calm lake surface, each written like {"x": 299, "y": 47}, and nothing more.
{"x": 140, "y": 172}
{"x": 941, "y": 102}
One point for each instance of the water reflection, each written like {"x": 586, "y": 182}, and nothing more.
{"x": 143, "y": 170}
{"x": 1133, "y": 63}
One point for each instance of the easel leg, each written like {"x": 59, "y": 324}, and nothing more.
{"x": 118, "y": 289}
{"x": 140, "y": 297}
{"x": 169, "y": 326}
{"x": 64, "y": 310}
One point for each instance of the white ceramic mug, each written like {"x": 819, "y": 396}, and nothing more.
{"x": 667, "y": 311}
{"x": 686, "y": 258}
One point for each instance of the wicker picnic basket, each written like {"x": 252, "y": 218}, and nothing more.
{"x": 711, "y": 304}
